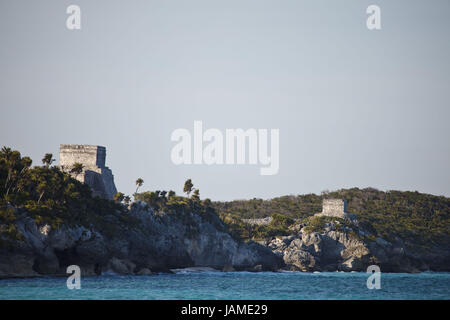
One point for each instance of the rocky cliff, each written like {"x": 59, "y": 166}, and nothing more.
{"x": 140, "y": 241}
{"x": 350, "y": 248}
{"x": 49, "y": 220}
{"x": 151, "y": 243}
{"x": 158, "y": 242}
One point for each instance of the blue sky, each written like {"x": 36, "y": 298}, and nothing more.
{"x": 354, "y": 107}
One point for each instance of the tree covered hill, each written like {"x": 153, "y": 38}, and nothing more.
{"x": 53, "y": 197}
{"x": 413, "y": 216}
{"x": 49, "y": 196}
{"x": 49, "y": 220}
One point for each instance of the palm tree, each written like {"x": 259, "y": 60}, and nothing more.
{"x": 26, "y": 164}
{"x": 139, "y": 183}
{"x": 47, "y": 160}
{"x": 6, "y": 154}
{"x": 188, "y": 187}
{"x": 41, "y": 188}
{"x": 196, "y": 195}
{"x": 15, "y": 166}
{"x": 118, "y": 197}
{"x": 77, "y": 168}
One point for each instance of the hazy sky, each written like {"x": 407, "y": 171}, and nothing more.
{"x": 354, "y": 107}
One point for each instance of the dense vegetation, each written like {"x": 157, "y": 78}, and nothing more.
{"x": 53, "y": 197}
{"x": 48, "y": 195}
{"x": 168, "y": 202}
{"x": 240, "y": 229}
{"x": 413, "y": 216}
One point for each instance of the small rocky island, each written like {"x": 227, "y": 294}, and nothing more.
{"x": 55, "y": 216}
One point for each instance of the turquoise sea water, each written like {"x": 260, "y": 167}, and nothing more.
{"x": 234, "y": 285}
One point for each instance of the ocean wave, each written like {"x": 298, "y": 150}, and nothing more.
{"x": 194, "y": 270}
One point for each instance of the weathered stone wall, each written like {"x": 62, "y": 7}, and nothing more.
{"x": 334, "y": 208}
{"x": 89, "y": 156}
{"x": 259, "y": 222}
{"x": 334, "y": 205}
{"x": 95, "y": 173}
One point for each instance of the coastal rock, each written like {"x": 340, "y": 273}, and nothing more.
{"x": 163, "y": 241}
{"x": 344, "y": 250}
{"x": 330, "y": 250}
{"x": 257, "y": 268}
{"x": 45, "y": 229}
{"x": 157, "y": 242}
{"x": 16, "y": 265}
{"x": 121, "y": 266}
{"x": 301, "y": 260}
{"x": 144, "y": 272}
{"x": 47, "y": 262}
{"x": 228, "y": 268}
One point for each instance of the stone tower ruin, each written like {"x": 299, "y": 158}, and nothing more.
{"x": 335, "y": 208}
{"x": 95, "y": 173}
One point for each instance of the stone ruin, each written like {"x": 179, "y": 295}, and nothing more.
{"x": 95, "y": 173}
{"x": 330, "y": 208}
{"x": 259, "y": 222}
{"x": 335, "y": 208}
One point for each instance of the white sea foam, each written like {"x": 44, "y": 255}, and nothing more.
{"x": 194, "y": 270}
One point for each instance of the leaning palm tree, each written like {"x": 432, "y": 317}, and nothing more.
{"x": 6, "y": 154}
{"x": 188, "y": 187}
{"x": 48, "y": 159}
{"x": 26, "y": 164}
{"x": 139, "y": 183}
{"x": 77, "y": 168}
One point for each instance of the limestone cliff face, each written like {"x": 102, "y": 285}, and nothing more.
{"x": 160, "y": 242}
{"x": 332, "y": 250}
{"x": 329, "y": 251}
{"x": 155, "y": 242}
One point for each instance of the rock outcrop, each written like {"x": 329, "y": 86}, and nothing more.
{"x": 344, "y": 250}
{"x": 328, "y": 251}
{"x": 153, "y": 243}
{"x": 159, "y": 242}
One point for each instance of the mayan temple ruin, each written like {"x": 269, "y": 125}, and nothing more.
{"x": 95, "y": 173}
{"x": 335, "y": 208}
